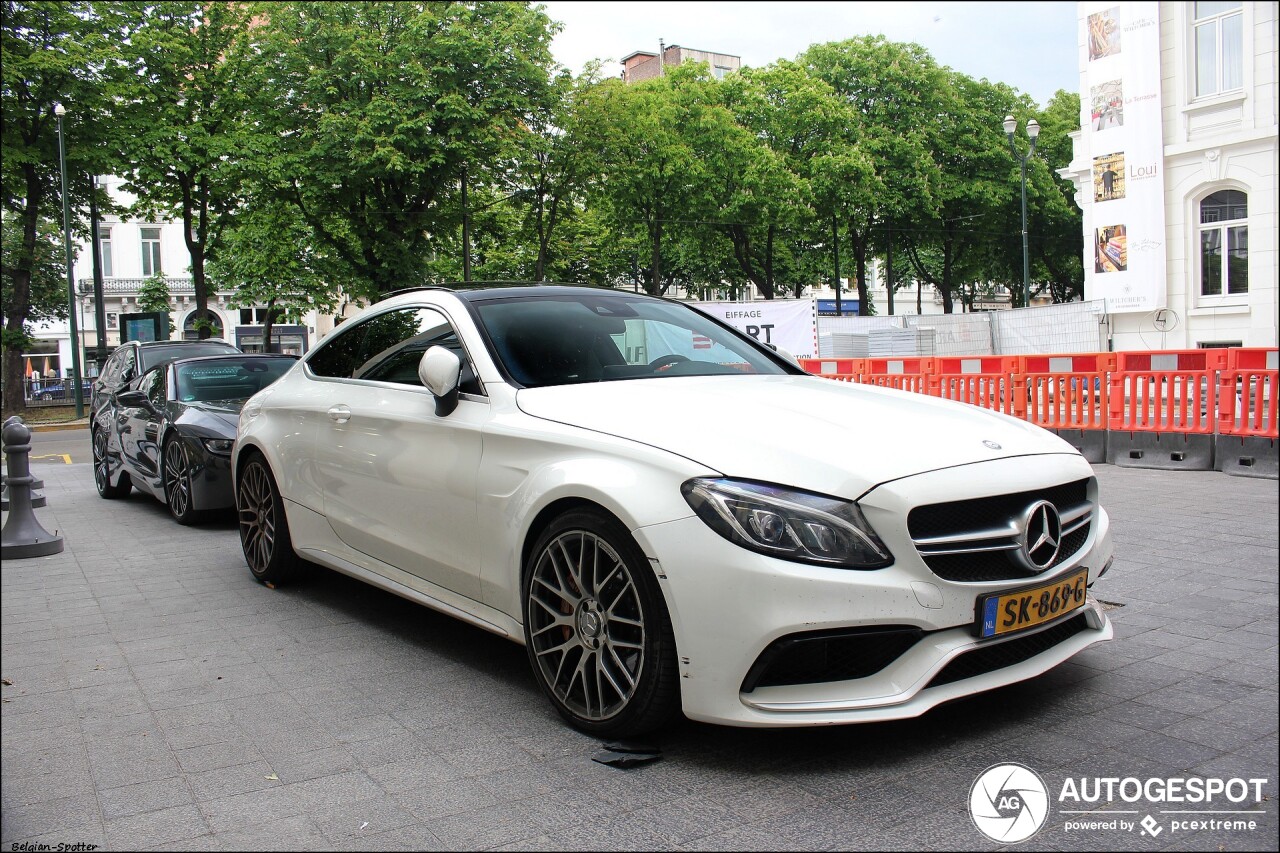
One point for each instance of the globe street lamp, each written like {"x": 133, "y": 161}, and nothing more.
{"x": 59, "y": 110}
{"x": 1033, "y": 130}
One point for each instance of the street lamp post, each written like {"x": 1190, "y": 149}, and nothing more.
{"x": 1033, "y": 130}
{"x": 99, "y": 309}
{"x": 59, "y": 110}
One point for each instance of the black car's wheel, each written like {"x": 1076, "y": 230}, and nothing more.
{"x": 102, "y": 470}
{"x": 264, "y": 531}
{"x": 597, "y": 631}
{"x": 177, "y": 481}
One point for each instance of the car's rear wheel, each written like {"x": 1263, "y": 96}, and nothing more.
{"x": 102, "y": 470}
{"x": 177, "y": 482}
{"x": 264, "y": 530}
{"x": 596, "y": 628}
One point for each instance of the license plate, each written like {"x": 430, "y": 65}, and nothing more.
{"x": 1005, "y": 612}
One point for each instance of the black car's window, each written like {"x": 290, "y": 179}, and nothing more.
{"x": 152, "y": 356}
{"x": 157, "y": 388}
{"x": 590, "y": 338}
{"x": 231, "y": 378}
{"x": 151, "y": 383}
{"x": 113, "y": 370}
{"x": 388, "y": 348}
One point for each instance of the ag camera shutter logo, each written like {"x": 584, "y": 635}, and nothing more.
{"x": 1009, "y": 803}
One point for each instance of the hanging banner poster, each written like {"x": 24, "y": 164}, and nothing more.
{"x": 788, "y": 323}
{"x": 1124, "y": 253}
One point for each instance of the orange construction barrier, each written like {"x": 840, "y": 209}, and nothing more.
{"x": 909, "y": 373}
{"x": 1247, "y": 393}
{"x": 982, "y": 380}
{"x": 842, "y": 369}
{"x": 1066, "y": 391}
{"x": 1169, "y": 391}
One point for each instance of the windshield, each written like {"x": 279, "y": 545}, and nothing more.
{"x": 230, "y": 378}
{"x": 565, "y": 339}
{"x": 151, "y": 356}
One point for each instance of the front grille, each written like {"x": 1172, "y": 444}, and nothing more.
{"x": 1000, "y": 655}
{"x": 815, "y": 657}
{"x": 974, "y": 540}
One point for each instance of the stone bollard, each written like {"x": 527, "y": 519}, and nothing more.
{"x": 22, "y": 536}
{"x": 37, "y": 498}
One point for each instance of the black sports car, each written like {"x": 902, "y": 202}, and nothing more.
{"x": 169, "y": 432}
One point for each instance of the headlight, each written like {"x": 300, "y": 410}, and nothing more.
{"x": 220, "y": 446}
{"x": 786, "y": 523}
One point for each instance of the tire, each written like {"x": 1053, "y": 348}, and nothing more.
{"x": 596, "y": 628}
{"x": 102, "y": 470}
{"x": 264, "y": 530}
{"x": 176, "y": 471}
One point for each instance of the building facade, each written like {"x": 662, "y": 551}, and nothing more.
{"x": 1175, "y": 166}
{"x": 644, "y": 65}
{"x": 133, "y": 251}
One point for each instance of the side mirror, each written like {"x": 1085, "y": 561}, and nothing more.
{"x": 785, "y": 354}
{"x": 133, "y": 400}
{"x": 440, "y": 370}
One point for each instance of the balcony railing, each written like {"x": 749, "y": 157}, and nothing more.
{"x": 131, "y": 286}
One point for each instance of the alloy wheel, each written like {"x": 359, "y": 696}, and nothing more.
{"x": 586, "y": 625}
{"x": 256, "y": 502}
{"x": 177, "y": 478}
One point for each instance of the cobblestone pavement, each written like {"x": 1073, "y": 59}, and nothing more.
{"x": 155, "y": 696}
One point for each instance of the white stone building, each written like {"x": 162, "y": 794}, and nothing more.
{"x": 132, "y": 251}
{"x": 1179, "y": 103}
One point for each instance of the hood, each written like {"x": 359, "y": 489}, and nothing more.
{"x": 833, "y": 437}
{"x": 211, "y": 418}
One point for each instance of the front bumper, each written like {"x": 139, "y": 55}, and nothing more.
{"x": 728, "y": 605}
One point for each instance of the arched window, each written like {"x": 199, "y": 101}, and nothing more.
{"x": 191, "y": 326}
{"x": 1224, "y": 243}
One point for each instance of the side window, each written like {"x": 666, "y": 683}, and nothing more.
{"x": 388, "y": 348}
{"x": 336, "y": 357}
{"x": 156, "y": 384}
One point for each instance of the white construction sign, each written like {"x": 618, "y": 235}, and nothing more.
{"x": 791, "y": 324}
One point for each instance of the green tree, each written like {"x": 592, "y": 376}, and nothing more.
{"x": 1055, "y": 222}
{"x": 652, "y": 177}
{"x": 188, "y": 119}
{"x": 154, "y": 295}
{"x": 266, "y": 255}
{"x": 377, "y": 111}
{"x": 49, "y": 52}
{"x": 47, "y": 294}
{"x": 884, "y": 173}
{"x": 975, "y": 198}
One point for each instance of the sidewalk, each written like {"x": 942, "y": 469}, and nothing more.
{"x": 156, "y": 697}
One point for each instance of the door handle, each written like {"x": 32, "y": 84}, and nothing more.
{"x": 339, "y": 414}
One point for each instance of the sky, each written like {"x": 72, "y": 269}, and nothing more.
{"x": 1032, "y": 46}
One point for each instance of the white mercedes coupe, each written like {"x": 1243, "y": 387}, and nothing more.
{"x": 670, "y": 515}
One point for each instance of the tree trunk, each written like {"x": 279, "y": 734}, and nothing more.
{"x": 15, "y": 401}
{"x": 194, "y": 227}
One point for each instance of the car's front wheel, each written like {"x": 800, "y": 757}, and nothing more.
{"x": 264, "y": 530}
{"x": 597, "y": 630}
{"x": 177, "y": 482}
{"x": 102, "y": 470}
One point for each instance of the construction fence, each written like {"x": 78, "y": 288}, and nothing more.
{"x": 1200, "y": 409}
{"x": 1068, "y": 327}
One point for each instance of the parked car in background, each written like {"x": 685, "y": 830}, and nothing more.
{"x": 670, "y": 515}
{"x": 170, "y": 431}
{"x": 60, "y": 389}
{"x": 133, "y": 358}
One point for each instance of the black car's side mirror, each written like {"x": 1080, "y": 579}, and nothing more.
{"x": 133, "y": 400}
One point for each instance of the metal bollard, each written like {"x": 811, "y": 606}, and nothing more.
{"x": 22, "y": 536}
